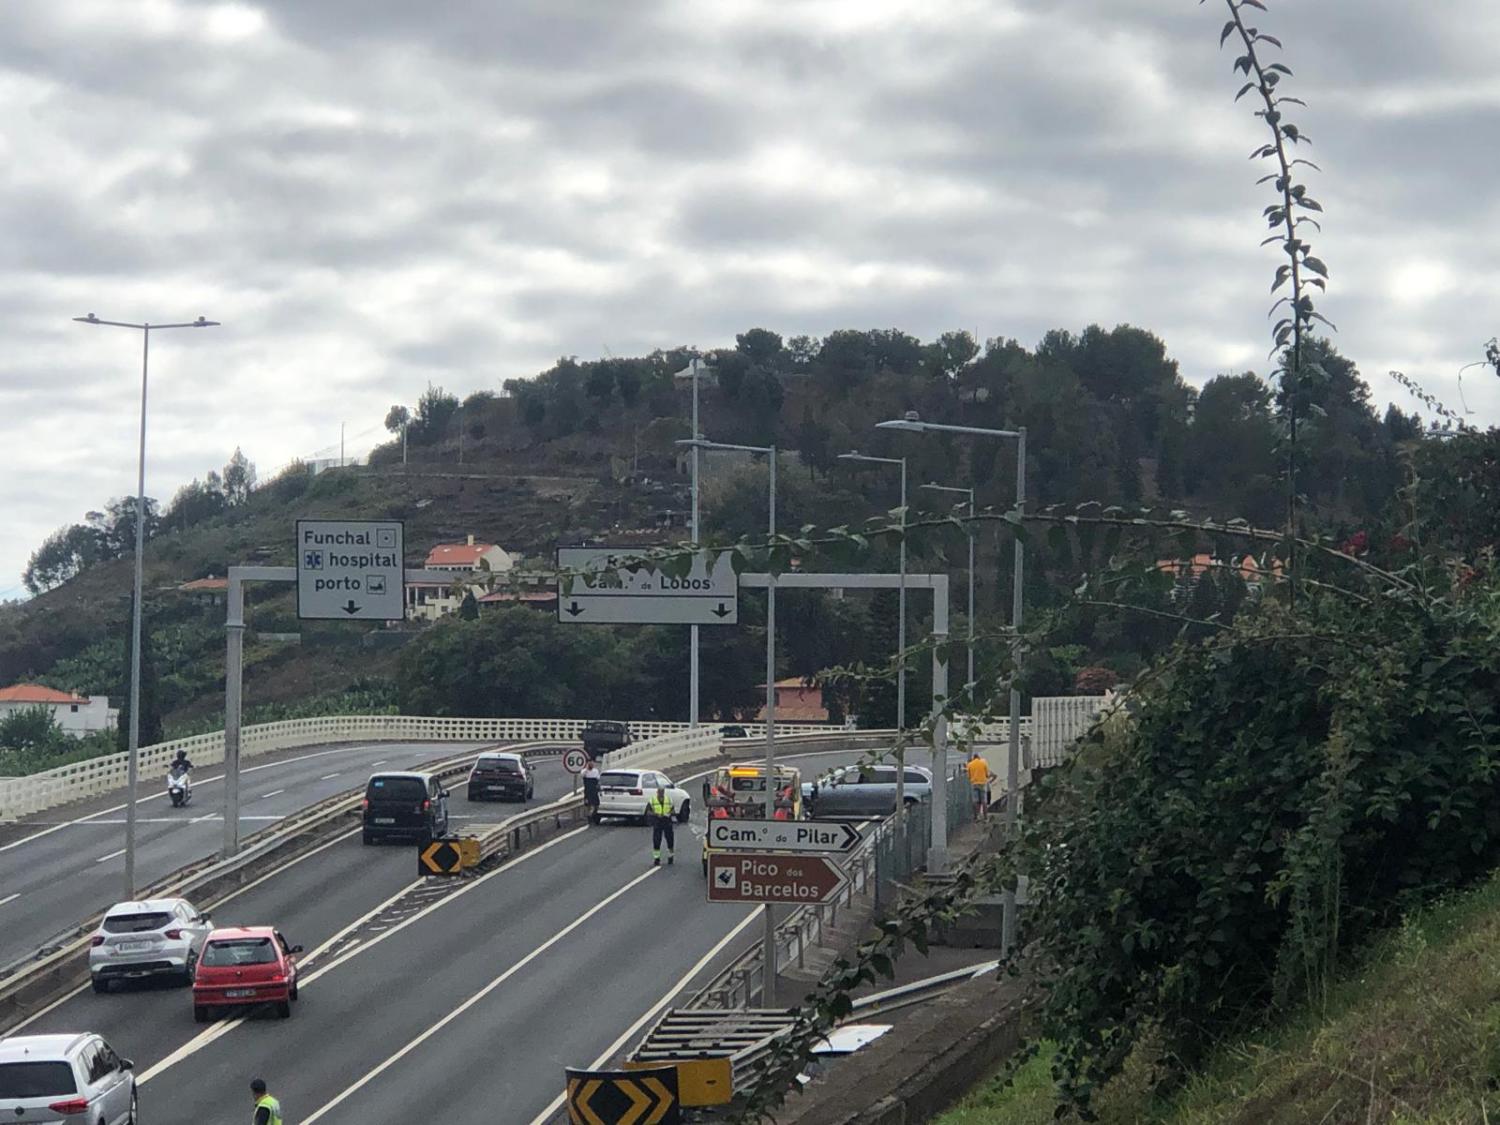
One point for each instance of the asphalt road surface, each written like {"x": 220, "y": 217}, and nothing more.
{"x": 63, "y": 866}
{"x": 464, "y": 1008}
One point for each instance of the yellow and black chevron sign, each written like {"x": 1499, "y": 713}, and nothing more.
{"x": 623, "y": 1097}
{"x": 443, "y": 856}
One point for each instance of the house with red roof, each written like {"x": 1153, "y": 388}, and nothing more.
{"x": 796, "y": 702}
{"x": 76, "y": 714}
{"x": 467, "y": 562}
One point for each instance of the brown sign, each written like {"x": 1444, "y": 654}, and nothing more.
{"x": 762, "y": 877}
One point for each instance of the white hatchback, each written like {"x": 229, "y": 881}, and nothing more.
{"x": 65, "y": 1078}
{"x": 624, "y": 793}
{"x": 157, "y": 937}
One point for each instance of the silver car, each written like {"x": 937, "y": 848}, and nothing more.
{"x": 158, "y": 937}
{"x": 865, "y": 790}
{"x": 73, "y": 1077}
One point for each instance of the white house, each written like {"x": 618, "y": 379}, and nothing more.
{"x": 431, "y": 600}
{"x": 77, "y": 715}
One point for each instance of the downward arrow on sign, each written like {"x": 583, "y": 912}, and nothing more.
{"x": 350, "y": 608}
{"x": 573, "y": 609}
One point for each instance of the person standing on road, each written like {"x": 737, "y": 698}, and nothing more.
{"x": 979, "y": 783}
{"x": 659, "y": 813}
{"x": 267, "y": 1108}
{"x": 591, "y": 789}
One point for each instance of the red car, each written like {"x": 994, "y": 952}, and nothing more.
{"x": 245, "y": 965}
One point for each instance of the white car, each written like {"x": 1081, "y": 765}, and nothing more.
{"x": 63, "y": 1077}
{"x": 624, "y": 793}
{"x": 157, "y": 937}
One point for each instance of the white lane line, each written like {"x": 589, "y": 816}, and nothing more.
{"x": 111, "y": 855}
{"x": 478, "y": 996}
{"x": 380, "y": 762}
{"x": 204, "y": 781}
{"x": 328, "y": 777}
{"x": 652, "y": 1012}
{"x": 204, "y": 1038}
{"x": 272, "y": 793}
{"x": 10, "y": 898}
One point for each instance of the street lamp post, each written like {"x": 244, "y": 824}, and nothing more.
{"x": 693, "y": 685}
{"x": 133, "y": 744}
{"x": 939, "y": 794}
{"x": 769, "y": 950}
{"x": 914, "y": 424}
{"x": 969, "y": 492}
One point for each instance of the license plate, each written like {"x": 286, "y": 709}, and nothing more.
{"x": 238, "y": 993}
{"x": 385, "y": 820}
{"x": 133, "y": 946}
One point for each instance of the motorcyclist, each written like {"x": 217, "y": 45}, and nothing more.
{"x": 182, "y": 763}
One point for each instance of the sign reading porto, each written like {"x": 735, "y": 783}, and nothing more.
{"x": 350, "y": 570}
{"x": 621, "y": 586}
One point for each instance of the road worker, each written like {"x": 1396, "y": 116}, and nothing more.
{"x": 659, "y": 813}
{"x": 979, "y": 783}
{"x": 267, "y": 1108}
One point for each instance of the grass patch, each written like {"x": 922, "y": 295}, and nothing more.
{"x": 1410, "y": 1036}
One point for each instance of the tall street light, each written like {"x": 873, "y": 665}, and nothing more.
{"x": 855, "y": 455}
{"x": 134, "y": 743}
{"x": 696, "y": 443}
{"x": 914, "y": 424}
{"x": 969, "y": 492}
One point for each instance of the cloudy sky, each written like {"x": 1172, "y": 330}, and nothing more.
{"x": 372, "y": 194}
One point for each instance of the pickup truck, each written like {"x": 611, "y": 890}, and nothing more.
{"x": 602, "y": 736}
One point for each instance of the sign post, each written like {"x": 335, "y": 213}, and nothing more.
{"x": 350, "y": 570}
{"x": 797, "y": 880}
{"x": 619, "y": 586}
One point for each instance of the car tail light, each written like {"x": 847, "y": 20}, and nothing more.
{"x": 364, "y": 804}
{"x": 96, "y": 941}
{"x": 70, "y": 1107}
{"x": 173, "y": 935}
{"x": 427, "y": 804}
{"x": 636, "y": 792}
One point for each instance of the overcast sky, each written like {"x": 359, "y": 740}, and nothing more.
{"x": 372, "y": 194}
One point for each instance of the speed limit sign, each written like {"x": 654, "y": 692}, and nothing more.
{"x": 574, "y": 760}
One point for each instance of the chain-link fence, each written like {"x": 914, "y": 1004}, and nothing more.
{"x": 901, "y": 851}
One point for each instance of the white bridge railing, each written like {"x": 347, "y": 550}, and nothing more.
{"x": 24, "y": 796}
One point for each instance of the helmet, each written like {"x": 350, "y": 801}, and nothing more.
{"x": 181, "y": 754}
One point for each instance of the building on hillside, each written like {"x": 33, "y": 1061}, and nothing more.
{"x": 208, "y": 591}
{"x": 77, "y": 715}
{"x": 796, "y": 702}
{"x": 427, "y": 601}
{"x": 1187, "y": 572}
{"x": 532, "y": 599}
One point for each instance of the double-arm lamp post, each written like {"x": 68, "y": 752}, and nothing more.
{"x": 133, "y": 745}
{"x": 913, "y": 423}
{"x": 696, "y": 444}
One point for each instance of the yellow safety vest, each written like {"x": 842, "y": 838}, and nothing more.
{"x": 659, "y": 806}
{"x": 273, "y": 1105}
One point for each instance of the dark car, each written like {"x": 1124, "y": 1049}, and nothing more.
{"x": 733, "y": 731}
{"x": 501, "y": 775}
{"x": 409, "y": 805}
{"x": 602, "y": 736}
{"x": 865, "y": 790}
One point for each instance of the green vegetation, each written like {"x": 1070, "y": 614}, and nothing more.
{"x": 1408, "y": 1035}
{"x": 31, "y": 740}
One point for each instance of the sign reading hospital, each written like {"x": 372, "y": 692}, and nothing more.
{"x": 350, "y": 570}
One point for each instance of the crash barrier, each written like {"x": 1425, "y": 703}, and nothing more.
{"x": 25, "y": 796}
{"x": 878, "y": 867}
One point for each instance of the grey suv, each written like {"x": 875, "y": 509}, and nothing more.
{"x": 160, "y": 937}
{"x": 74, "y": 1077}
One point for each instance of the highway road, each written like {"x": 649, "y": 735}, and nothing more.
{"x": 60, "y": 867}
{"x": 462, "y": 1007}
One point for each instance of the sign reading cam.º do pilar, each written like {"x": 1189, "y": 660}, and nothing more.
{"x": 350, "y": 570}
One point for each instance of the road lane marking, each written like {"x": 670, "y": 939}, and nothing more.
{"x": 652, "y": 1012}
{"x": 478, "y": 996}
{"x": 328, "y": 777}
{"x": 111, "y": 855}
{"x": 10, "y": 898}
{"x": 204, "y": 781}
{"x": 380, "y": 762}
{"x": 272, "y": 793}
{"x": 204, "y": 1038}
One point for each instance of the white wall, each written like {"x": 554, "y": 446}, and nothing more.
{"x": 77, "y": 719}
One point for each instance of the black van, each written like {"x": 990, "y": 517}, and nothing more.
{"x": 412, "y": 805}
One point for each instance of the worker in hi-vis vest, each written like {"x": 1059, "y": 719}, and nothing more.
{"x": 659, "y": 813}
{"x": 267, "y": 1108}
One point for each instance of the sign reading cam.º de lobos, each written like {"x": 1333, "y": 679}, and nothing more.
{"x": 350, "y": 570}
{"x": 631, "y": 586}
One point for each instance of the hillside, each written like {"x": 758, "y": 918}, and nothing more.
{"x": 585, "y": 450}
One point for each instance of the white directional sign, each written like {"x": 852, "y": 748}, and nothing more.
{"x": 617, "y": 586}
{"x": 783, "y": 835}
{"x": 350, "y": 570}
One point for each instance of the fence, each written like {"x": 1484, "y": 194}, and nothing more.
{"x": 23, "y": 796}
{"x": 899, "y": 855}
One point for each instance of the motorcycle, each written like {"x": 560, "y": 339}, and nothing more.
{"x": 179, "y": 786}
